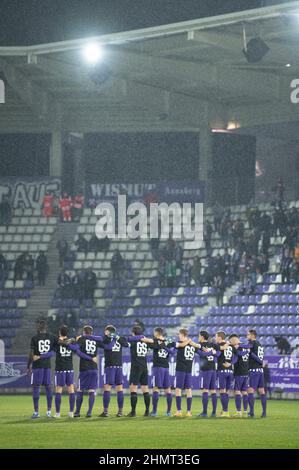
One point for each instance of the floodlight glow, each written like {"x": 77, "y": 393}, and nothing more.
{"x": 93, "y": 53}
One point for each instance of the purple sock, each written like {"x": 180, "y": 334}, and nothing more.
{"x": 178, "y": 403}
{"x": 155, "y": 401}
{"x": 72, "y": 402}
{"x": 205, "y": 401}
{"x": 251, "y": 402}
{"x": 120, "y": 400}
{"x": 49, "y": 397}
{"x": 214, "y": 402}
{"x": 35, "y": 396}
{"x": 226, "y": 401}
{"x": 57, "y": 402}
{"x": 106, "y": 400}
{"x": 238, "y": 400}
{"x": 264, "y": 402}
{"x": 169, "y": 402}
{"x": 91, "y": 399}
{"x": 79, "y": 402}
{"x": 223, "y": 401}
{"x": 189, "y": 403}
{"x": 245, "y": 402}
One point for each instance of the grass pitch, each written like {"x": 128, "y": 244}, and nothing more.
{"x": 279, "y": 431}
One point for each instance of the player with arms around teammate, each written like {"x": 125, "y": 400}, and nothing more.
{"x": 40, "y": 369}
{"x": 256, "y": 373}
{"x": 241, "y": 372}
{"x": 225, "y": 373}
{"x": 139, "y": 371}
{"x": 183, "y": 375}
{"x": 161, "y": 378}
{"x": 64, "y": 370}
{"x": 88, "y": 369}
{"x": 113, "y": 376}
{"x": 207, "y": 352}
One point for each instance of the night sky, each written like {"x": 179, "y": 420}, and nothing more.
{"x": 24, "y": 22}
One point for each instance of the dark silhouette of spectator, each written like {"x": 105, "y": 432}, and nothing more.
{"x": 219, "y": 289}
{"x": 65, "y": 285}
{"x": 217, "y": 211}
{"x": 41, "y": 264}
{"x": 208, "y": 236}
{"x": 279, "y": 190}
{"x": 161, "y": 271}
{"x": 5, "y": 212}
{"x": 62, "y": 247}
{"x": 283, "y": 345}
{"x": 196, "y": 270}
{"x": 117, "y": 265}
{"x": 78, "y": 283}
{"x": 285, "y": 267}
{"x": 29, "y": 267}
{"x": 82, "y": 244}
{"x": 3, "y": 268}
{"x": 170, "y": 272}
{"x": 19, "y": 267}
{"x": 90, "y": 284}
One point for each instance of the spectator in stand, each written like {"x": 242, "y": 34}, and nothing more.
{"x": 19, "y": 267}
{"x": 178, "y": 255}
{"x": 65, "y": 205}
{"x": 3, "y": 268}
{"x": 90, "y": 284}
{"x": 219, "y": 289}
{"x": 82, "y": 243}
{"x": 161, "y": 271}
{"x": 117, "y": 265}
{"x": 77, "y": 207}
{"x": 169, "y": 249}
{"x": 242, "y": 268}
{"x": 62, "y": 247}
{"x": 56, "y": 199}
{"x": 196, "y": 271}
{"x": 170, "y": 272}
{"x": 209, "y": 271}
{"x": 29, "y": 267}
{"x": 218, "y": 212}
{"x": 290, "y": 236}
{"x": 41, "y": 265}
{"x": 279, "y": 190}
{"x": 295, "y": 271}
{"x": 285, "y": 266}
{"x": 283, "y": 345}
{"x": 208, "y": 236}
{"x": 5, "y": 212}
{"x": 266, "y": 242}
{"x": 262, "y": 263}
{"x": 48, "y": 204}
{"x": 65, "y": 285}
{"x": 186, "y": 273}
{"x": 78, "y": 283}
{"x": 279, "y": 222}
{"x": 154, "y": 245}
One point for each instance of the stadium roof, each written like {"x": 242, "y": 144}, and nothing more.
{"x": 172, "y": 77}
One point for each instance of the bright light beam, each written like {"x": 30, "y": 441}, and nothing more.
{"x": 93, "y": 53}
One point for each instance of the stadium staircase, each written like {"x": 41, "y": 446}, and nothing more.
{"x": 28, "y": 232}
{"x": 40, "y": 300}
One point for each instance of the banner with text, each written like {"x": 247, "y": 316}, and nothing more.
{"x": 172, "y": 191}
{"x": 28, "y": 193}
{"x": 283, "y": 372}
